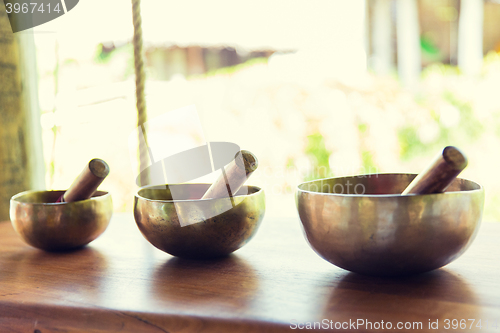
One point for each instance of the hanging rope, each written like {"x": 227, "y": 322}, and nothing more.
{"x": 140, "y": 79}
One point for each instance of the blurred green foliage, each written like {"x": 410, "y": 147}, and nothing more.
{"x": 409, "y": 143}
{"x": 232, "y": 69}
{"x": 319, "y": 157}
{"x": 468, "y": 129}
{"x": 104, "y": 56}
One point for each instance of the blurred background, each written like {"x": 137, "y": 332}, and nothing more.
{"x": 314, "y": 88}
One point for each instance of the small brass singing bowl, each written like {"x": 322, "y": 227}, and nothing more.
{"x": 191, "y": 228}
{"x": 51, "y": 226}
{"x": 363, "y": 225}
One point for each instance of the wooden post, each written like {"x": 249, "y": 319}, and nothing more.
{"x": 382, "y": 37}
{"x": 408, "y": 36}
{"x": 470, "y": 36}
{"x": 195, "y": 61}
{"x": 21, "y": 158}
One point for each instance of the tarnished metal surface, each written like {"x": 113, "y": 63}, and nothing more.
{"x": 192, "y": 228}
{"x": 52, "y": 226}
{"x": 379, "y": 232}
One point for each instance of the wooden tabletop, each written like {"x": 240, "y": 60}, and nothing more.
{"x": 121, "y": 283}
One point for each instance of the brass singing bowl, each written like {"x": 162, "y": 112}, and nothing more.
{"x": 188, "y": 227}
{"x": 363, "y": 225}
{"x": 51, "y": 226}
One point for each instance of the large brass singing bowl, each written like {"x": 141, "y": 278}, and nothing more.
{"x": 363, "y": 225}
{"x": 51, "y": 226}
{"x": 198, "y": 229}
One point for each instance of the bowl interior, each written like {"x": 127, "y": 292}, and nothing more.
{"x": 376, "y": 184}
{"x": 186, "y": 192}
{"x": 46, "y": 197}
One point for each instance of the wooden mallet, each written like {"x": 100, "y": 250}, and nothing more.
{"x": 233, "y": 176}
{"x": 87, "y": 182}
{"x": 439, "y": 174}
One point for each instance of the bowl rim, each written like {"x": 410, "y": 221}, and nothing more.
{"x": 299, "y": 190}
{"x": 258, "y": 192}
{"x": 15, "y": 198}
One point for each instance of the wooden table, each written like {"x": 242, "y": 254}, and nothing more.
{"x": 121, "y": 283}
